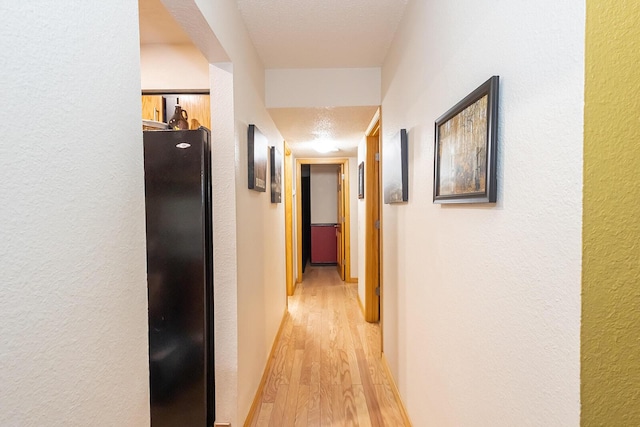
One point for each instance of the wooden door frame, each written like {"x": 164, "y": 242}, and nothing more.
{"x": 373, "y": 213}
{"x": 288, "y": 219}
{"x": 346, "y": 229}
{"x": 340, "y": 252}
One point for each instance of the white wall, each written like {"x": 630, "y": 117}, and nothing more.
{"x": 173, "y": 67}
{"x": 482, "y": 303}
{"x": 74, "y": 294}
{"x": 324, "y": 194}
{"x": 259, "y": 290}
{"x": 225, "y": 245}
{"x": 360, "y": 217}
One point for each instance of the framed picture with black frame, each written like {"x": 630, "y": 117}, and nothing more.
{"x": 257, "y": 159}
{"x": 276, "y": 175}
{"x": 466, "y": 147}
{"x": 395, "y": 182}
{"x": 361, "y": 180}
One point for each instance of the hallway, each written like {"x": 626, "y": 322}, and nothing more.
{"x": 326, "y": 368}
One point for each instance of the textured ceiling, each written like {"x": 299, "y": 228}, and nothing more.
{"x": 322, "y": 33}
{"x": 157, "y": 26}
{"x": 343, "y": 126}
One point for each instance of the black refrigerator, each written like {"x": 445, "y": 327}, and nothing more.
{"x": 177, "y": 169}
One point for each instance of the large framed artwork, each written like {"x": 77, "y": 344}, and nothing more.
{"x": 395, "y": 170}
{"x": 276, "y": 175}
{"x": 466, "y": 147}
{"x": 257, "y": 159}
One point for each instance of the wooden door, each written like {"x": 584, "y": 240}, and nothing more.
{"x": 340, "y": 224}
{"x": 152, "y": 107}
{"x": 372, "y": 229}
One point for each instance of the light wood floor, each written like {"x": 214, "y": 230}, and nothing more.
{"x": 326, "y": 369}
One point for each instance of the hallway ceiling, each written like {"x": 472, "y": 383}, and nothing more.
{"x": 304, "y": 34}
{"x": 322, "y": 33}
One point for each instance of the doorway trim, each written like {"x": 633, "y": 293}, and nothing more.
{"x": 288, "y": 219}
{"x": 373, "y": 221}
{"x": 347, "y": 211}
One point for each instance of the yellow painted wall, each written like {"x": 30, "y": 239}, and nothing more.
{"x": 610, "y": 353}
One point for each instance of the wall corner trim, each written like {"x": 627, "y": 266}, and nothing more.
{"x": 361, "y": 305}
{"x": 396, "y": 392}
{"x": 256, "y": 400}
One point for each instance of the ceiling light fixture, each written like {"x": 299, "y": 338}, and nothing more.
{"x": 324, "y": 146}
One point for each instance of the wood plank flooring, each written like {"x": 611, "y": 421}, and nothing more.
{"x": 326, "y": 369}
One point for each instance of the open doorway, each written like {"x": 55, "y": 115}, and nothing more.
{"x": 322, "y": 215}
{"x": 325, "y": 219}
{"x": 305, "y": 194}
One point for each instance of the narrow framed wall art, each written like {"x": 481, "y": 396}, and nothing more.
{"x": 361, "y": 180}
{"x": 396, "y": 168}
{"x": 276, "y": 175}
{"x": 257, "y": 159}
